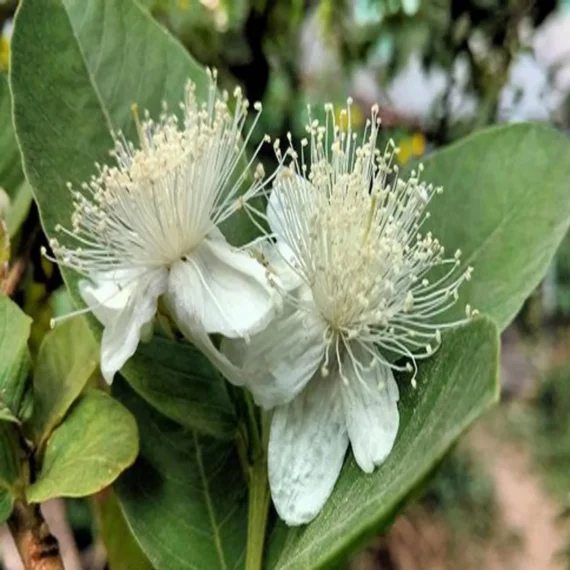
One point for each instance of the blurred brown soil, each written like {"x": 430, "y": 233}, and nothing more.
{"x": 526, "y": 509}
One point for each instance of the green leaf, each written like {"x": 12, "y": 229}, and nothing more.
{"x": 506, "y": 205}
{"x": 454, "y": 388}
{"x": 11, "y": 175}
{"x": 9, "y": 469}
{"x": 185, "y": 498}
{"x": 96, "y": 441}
{"x": 19, "y": 207}
{"x": 14, "y": 358}
{"x": 67, "y": 358}
{"x": 123, "y": 551}
{"x": 181, "y": 383}
{"x": 72, "y": 47}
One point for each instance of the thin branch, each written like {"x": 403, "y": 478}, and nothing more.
{"x": 15, "y": 273}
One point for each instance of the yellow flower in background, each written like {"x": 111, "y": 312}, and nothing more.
{"x": 183, "y": 4}
{"x": 411, "y": 147}
{"x": 357, "y": 117}
{"x": 4, "y": 53}
{"x": 5, "y": 37}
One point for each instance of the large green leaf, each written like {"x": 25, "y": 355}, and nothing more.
{"x": 180, "y": 382}
{"x": 97, "y": 440}
{"x": 68, "y": 357}
{"x": 506, "y": 205}
{"x": 9, "y": 469}
{"x": 14, "y": 358}
{"x": 123, "y": 551}
{"x": 454, "y": 387}
{"x": 185, "y": 498}
{"x": 94, "y": 58}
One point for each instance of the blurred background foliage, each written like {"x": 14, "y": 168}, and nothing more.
{"x": 438, "y": 69}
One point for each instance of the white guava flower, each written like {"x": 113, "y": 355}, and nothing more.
{"x": 148, "y": 227}
{"x": 355, "y": 271}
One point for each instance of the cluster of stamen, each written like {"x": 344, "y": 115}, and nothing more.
{"x": 355, "y": 230}
{"x": 163, "y": 197}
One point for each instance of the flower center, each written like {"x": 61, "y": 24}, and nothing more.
{"x": 355, "y": 255}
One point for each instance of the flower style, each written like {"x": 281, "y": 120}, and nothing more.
{"x": 149, "y": 227}
{"x": 356, "y": 272}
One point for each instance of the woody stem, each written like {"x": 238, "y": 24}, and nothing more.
{"x": 36, "y": 545}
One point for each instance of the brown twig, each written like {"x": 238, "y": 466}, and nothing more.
{"x": 14, "y": 275}
{"x": 38, "y": 548}
{"x": 18, "y": 268}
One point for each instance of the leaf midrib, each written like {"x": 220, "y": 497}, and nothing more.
{"x": 88, "y": 69}
{"x": 209, "y": 505}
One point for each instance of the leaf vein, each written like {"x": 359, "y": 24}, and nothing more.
{"x": 209, "y": 505}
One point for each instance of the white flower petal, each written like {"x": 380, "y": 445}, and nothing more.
{"x": 121, "y": 336}
{"x": 278, "y": 362}
{"x": 371, "y": 406}
{"x": 184, "y": 301}
{"x": 307, "y": 445}
{"x": 280, "y": 262}
{"x": 223, "y": 289}
{"x": 108, "y": 293}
